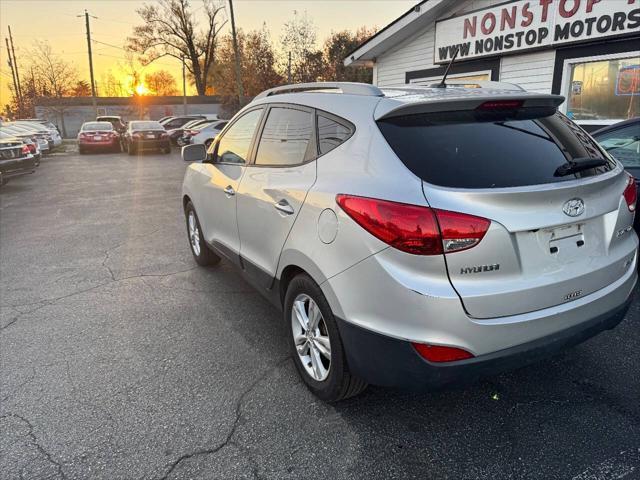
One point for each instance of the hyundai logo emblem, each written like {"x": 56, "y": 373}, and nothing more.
{"x": 573, "y": 207}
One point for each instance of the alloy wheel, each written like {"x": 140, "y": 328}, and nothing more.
{"x": 311, "y": 337}
{"x": 194, "y": 233}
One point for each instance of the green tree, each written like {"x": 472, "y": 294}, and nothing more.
{"x": 337, "y": 47}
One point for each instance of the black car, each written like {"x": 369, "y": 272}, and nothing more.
{"x": 146, "y": 135}
{"x": 15, "y": 160}
{"x": 622, "y": 141}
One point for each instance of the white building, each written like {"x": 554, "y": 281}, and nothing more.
{"x": 586, "y": 50}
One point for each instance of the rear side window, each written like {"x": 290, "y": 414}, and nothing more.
{"x": 331, "y": 134}
{"x": 460, "y": 150}
{"x": 285, "y": 138}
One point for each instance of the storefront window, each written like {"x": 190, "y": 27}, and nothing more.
{"x": 604, "y": 90}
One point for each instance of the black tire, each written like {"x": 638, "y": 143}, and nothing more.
{"x": 116, "y": 148}
{"x": 166, "y": 150}
{"x": 81, "y": 151}
{"x": 340, "y": 384}
{"x": 206, "y": 257}
{"x": 131, "y": 149}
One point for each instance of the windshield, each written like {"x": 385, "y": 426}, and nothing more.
{"x": 93, "y": 126}
{"x": 137, "y": 125}
{"x": 459, "y": 150}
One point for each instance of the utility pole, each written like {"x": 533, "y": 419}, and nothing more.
{"x": 16, "y": 93}
{"x": 289, "y": 70}
{"x": 184, "y": 86}
{"x": 93, "y": 83}
{"x": 237, "y": 54}
{"x": 15, "y": 67}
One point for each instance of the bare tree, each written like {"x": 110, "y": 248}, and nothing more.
{"x": 170, "y": 29}
{"x": 161, "y": 83}
{"x": 299, "y": 38}
{"x": 54, "y": 78}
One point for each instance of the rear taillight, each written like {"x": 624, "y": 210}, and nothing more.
{"x": 25, "y": 150}
{"x": 438, "y": 353}
{"x": 31, "y": 147}
{"x": 164, "y": 135}
{"x": 414, "y": 229}
{"x": 631, "y": 194}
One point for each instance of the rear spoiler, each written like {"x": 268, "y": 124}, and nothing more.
{"x": 477, "y": 100}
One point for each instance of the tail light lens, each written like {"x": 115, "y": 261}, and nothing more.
{"x": 631, "y": 194}
{"x": 438, "y": 353}
{"x": 414, "y": 229}
{"x": 25, "y": 150}
{"x": 31, "y": 147}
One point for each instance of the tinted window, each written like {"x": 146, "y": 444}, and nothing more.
{"x": 459, "y": 149}
{"x": 331, "y": 134}
{"x": 234, "y": 145}
{"x": 623, "y": 144}
{"x": 285, "y": 137}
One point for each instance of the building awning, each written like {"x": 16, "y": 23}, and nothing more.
{"x": 412, "y": 22}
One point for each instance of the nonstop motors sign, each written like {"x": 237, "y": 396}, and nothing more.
{"x": 524, "y": 25}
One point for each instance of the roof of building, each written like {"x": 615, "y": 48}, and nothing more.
{"x": 408, "y": 24}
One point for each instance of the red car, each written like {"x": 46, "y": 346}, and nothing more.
{"x": 98, "y": 136}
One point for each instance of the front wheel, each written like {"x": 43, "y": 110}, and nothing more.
{"x": 318, "y": 351}
{"x": 200, "y": 250}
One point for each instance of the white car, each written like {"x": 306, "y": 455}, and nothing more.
{"x": 205, "y": 133}
{"x": 417, "y": 236}
{"x": 48, "y": 126}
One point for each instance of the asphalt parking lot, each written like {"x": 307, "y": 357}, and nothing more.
{"x": 120, "y": 359}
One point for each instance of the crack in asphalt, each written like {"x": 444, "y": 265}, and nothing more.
{"x": 35, "y": 443}
{"x": 238, "y": 415}
{"x": 53, "y": 301}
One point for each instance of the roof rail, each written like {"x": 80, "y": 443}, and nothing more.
{"x": 351, "y": 88}
{"x": 482, "y": 84}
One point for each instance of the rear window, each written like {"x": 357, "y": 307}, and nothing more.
{"x": 461, "y": 150}
{"x": 88, "y": 127}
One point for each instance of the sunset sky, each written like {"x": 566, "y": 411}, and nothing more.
{"x": 56, "y": 22}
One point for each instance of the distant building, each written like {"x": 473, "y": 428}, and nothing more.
{"x": 586, "y": 50}
{"x": 70, "y": 113}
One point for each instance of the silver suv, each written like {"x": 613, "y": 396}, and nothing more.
{"x": 416, "y": 237}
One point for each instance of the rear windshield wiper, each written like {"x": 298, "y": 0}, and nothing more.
{"x": 578, "y": 165}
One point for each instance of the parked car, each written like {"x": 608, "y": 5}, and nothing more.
{"x": 22, "y": 133}
{"x": 416, "y": 236}
{"x": 56, "y": 139}
{"x": 204, "y": 133}
{"x": 146, "y": 135}
{"x": 38, "y": 130}
{"x": 15, "y": 159}
{"x": 115, "y": 120}
{"x": 165, "y": 119}
{"x": 176, "y": 133}
{"x": 178, "y": 122}
{"x": 31, "y": 144}
{"x": 98, "y": 136}
{"x": 622, "y": 141}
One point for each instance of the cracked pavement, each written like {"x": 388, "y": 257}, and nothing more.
{"x": 120, "y": 359}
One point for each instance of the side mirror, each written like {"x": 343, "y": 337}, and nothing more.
{"x": 194, "y": 153}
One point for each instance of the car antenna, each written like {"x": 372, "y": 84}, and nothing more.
{"x": 442, "y": 83}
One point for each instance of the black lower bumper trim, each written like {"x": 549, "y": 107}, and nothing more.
{"x": 385, "y": 361}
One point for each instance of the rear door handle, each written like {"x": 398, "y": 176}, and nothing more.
{"x": 284, "y": 207}
{"x": 229, "y": 191}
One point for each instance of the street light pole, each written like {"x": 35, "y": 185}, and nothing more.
{"x": 237, "y": 54}
{"x": 93, "y": 83}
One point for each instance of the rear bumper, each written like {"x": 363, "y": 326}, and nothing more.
{"x": 16, "y": 167}
{"x": 386, "y": 361}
